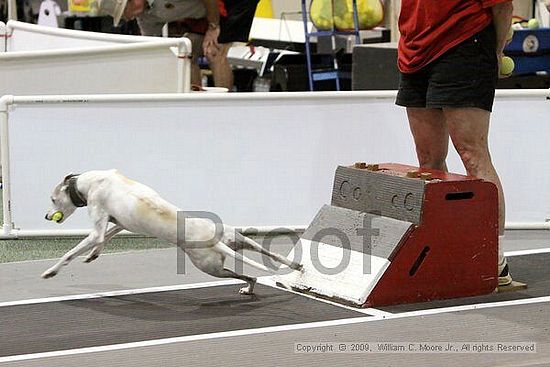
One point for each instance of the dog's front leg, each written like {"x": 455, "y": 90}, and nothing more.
{"x": 96, "y": 251}
{"x": 79, "y": 249}
{"x": 97, "y": 235}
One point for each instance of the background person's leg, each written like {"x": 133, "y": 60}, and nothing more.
{"x": 431, "y": 136}
{"x": 196, "y": 49}
{"x": 221, "y": 69}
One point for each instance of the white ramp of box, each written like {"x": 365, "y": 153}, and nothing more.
{"x": 351, "y": 284}
{"x": 147, "y": 67}
{"x": 345, "y": 253}
{"x": 32, "y": 37}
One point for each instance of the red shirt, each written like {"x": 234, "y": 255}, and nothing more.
{"x": 431, "y": 27}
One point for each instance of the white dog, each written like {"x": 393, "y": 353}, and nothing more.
{"x": 112, "y": 197}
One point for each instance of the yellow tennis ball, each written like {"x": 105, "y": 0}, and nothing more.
{"x": 57, "y": 216}
{"x": 510, "y": 35}
{"x": 533, "y": 23}
{"x": 506, "y": 66}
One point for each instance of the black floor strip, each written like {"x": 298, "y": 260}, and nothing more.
{"x": 112, "y": 320}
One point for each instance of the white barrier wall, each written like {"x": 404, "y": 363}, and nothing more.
{"x": 3, "y": 34}
{"x": 44, "y": 60}
{"x": 255, "y": 159}
{"x": 31, "y": 37}
{"x": 150, "y": 67}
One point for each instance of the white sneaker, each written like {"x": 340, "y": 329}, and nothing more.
{"x": 504, "y": 277}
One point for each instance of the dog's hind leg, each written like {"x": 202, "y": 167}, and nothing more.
{"x": 96, "y": 251}
{"x": 211, "y": 261}
{"x": 226, "y": 273}
{"x": 252, "y": 245}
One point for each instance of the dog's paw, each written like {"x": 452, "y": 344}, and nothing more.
{"x": 50, "y": 273}
{"x": 246, "y": 291}
{"x": 283, "y": 285}
{"x": 297, "y": 267}
{"x": 91, "y": 258}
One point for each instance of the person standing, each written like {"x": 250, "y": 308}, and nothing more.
{"x": 211, "y": 25}
{"x": 215, "y": 35}
{"x": 449, "y": 56}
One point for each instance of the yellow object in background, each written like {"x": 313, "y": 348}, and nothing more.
{"x": 370, "y": 13}
{"x": 79, "y": 6}
{"x": 83, "y": 6}
{"x": 264, "y": 9}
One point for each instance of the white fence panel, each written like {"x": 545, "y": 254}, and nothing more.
{"x": 44, "y": 60}
{"x": 3, "y": 40}
{"x": 260, "y": 159}
{"x": 127, "y": 68}
{"x": 32, "y": 37}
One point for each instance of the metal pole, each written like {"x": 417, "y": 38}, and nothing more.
{"x": 356, "y": 23}
{"x": 184, "y": 66}
{"x": 308, "y": 51}
{"x": 5, "y": 103}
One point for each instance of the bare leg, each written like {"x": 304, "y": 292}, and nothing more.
{"x": 469, "y": 129}
{"x": 196, "y": 49}
{"x": 196, "y": 78}
{"x": 431, "y": 136}
{"x": 221, "y": 70}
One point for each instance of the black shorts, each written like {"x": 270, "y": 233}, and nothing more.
{"x": 236, "y": 26}
{"x": 464, "y": 76}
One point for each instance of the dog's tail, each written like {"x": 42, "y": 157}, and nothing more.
{"x": 229, "y": 252}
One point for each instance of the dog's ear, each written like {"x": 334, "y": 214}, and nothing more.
{"x": 68, "y": 177}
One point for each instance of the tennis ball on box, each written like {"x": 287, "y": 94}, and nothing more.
{"x": 57, "y": 216}
{"x": 517, "y": 26}
{"x": 506, "y": 66}
{"x": 533, "y": 23}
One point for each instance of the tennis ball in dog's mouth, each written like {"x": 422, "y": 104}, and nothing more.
{"x": 57, "y": 217}
{"x": 506, "y": 66}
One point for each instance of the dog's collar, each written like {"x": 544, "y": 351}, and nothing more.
{"x": 76, "y": 197}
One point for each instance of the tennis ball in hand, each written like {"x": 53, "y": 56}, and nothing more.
{"x": 510, "y": 35}
{"x": 57, "y": 216}
{"x": 506, "y": 66}
{"x": 533, "y": 24}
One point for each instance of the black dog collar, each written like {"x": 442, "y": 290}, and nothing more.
{"x": 76, "y": 197}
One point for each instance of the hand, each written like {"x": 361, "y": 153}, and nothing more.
{"x": 500, "y": 55}
{"x": 210, "y": 45}
{"x": 133, "y": 9}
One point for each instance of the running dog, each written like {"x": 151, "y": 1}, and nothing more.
{"x": 113, "y": 198}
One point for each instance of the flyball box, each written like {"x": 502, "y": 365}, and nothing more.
{"x": 399, "y": 234}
